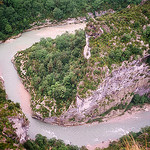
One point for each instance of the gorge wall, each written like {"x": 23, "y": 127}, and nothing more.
{"x": 117, "y": 88}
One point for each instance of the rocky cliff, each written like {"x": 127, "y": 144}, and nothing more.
{"x": 21, "y": 126}
{"x": 117, "y": 88}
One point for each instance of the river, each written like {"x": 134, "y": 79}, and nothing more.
{"x": 78, "y": 135}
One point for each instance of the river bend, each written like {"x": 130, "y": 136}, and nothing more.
{"x": 78, "y": 135}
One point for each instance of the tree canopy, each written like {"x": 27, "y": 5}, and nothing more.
{"x": 18, "y": 15}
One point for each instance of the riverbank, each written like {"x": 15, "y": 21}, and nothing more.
{"x": 130, "y": 114}
{"x": 54, "y": 120}
{"x": 72, "y": 121}
{"x": 48, "y": 24}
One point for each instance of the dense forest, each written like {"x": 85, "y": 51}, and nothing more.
{"x": 18, "y": 15}
{"x": 53, "y": 68}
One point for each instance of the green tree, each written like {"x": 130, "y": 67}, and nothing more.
{"x": 8, "y": 28}
{"x": 58, "y": 91}
{"x": 49, "y": 5}
{"x": 57, "y": 13}
{"x": 50, "y": 66}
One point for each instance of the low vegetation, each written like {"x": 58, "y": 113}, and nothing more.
{"x": 138, "y": 100}
{"x": 132, "y": 141}
{"x": 41, "y": 142}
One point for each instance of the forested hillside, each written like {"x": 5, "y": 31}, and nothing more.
{"x": 55, "y": 68}
{"x": 114, "y": 39}
{"x": 56, "y": 73}
{"x": 17, "y": 15}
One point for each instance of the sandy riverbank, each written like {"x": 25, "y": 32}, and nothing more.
{"x": 103, "y": 144}
{"x": 127, "y": 115}
{"x": 69, "y": 21}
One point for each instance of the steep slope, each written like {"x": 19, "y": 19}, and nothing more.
{"x": 13, "y": 123}
{"x": 87, "y": 89}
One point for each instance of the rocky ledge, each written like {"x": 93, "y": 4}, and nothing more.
{"x": 21, "y": 126}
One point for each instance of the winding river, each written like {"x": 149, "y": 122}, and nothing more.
{"x": 78, "y": 135}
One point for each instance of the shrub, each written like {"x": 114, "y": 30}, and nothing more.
{"x": 126, "y": 38}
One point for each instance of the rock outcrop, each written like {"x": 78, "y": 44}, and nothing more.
{"x": 21, "y": 125}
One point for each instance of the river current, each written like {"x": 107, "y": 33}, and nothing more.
{"x": 77, "y": 135}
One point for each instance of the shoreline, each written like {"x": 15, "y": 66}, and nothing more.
{"x": 130, "y": 113}
{"x": 67, "y": 21}
{"x": 50, "y": 24}
{"x": 18, "y": 121}
{"x": 127, "y": 115}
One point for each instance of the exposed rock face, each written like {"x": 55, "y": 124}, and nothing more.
{"x": 116, "y": 88}
{"x": 21, "y": 126}
{"x": 142, "y": 2}
{"x": 100, "y": 13}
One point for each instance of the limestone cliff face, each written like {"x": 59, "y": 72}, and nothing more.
{"x": 21, "y": 125}
{"x": 117, "y": 88}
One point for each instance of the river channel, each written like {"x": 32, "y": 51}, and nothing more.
{"x": 77, "y": 135}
